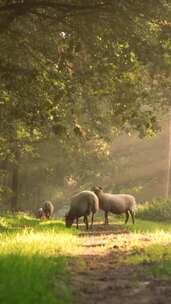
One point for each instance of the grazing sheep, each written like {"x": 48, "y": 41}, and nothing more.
{"x": 48, "y": 209}
{"x": 40, "y": 213}
{"x": 116, "y": 203}
{"x": 82, "y": 204}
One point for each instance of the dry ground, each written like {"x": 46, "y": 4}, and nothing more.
{"x": 101, "y": 274}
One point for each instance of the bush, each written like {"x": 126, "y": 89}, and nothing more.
{"x": 158, "y": 209}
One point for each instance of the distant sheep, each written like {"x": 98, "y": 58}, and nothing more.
{"x": 116, "y": 203}
{"x": 40, "y": 213}
{"x": 48, "y": 209}
{"x": 82, "y": 204}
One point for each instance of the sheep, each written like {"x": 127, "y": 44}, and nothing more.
{"x": 48, "y": 209}
{"x": 82, "y": 204}
{"x": 40, "y": 213}
{"x": 116, "y": 203}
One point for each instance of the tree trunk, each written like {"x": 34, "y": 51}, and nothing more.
{"x": 15, "y": 180}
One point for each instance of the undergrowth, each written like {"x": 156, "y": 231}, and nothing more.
{"x": 157, "y": 210}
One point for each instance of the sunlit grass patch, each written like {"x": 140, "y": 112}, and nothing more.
{"x": 44, "y": 243}
{"x": 154, "y": 253}
{"x": 150, "y": 244}
{"x": 141, "y": 225}
{"x": 46, "y": 238}
{"x": 149, "y": 226}
{"x": 150, "y": 233}
{"x": 34, "y": 255}
{"x": 20, "y": 220}
{"x": 33, "y": 260}
{"x": 157, "y": 256}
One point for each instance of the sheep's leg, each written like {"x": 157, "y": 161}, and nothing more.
{"x": 106, "y": 218}
{"x": 77, "y": 222}
{"x": 47, "y": 215}
{"x": 132, "y": 215}
{"x": 92, "y": 218}
{"x": 127, "y": 217}
{"x": 86, "y": 222}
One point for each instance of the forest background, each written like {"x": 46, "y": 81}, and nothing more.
{"x": 84, "y": 93}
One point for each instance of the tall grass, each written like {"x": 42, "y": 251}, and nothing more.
{"x": 33, "y": 260}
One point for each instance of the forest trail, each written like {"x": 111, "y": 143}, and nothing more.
{"x": 101, "y": 274}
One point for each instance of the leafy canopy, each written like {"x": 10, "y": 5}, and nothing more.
{"x": 87, "y": 69}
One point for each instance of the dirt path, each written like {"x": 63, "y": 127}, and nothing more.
{"x": 100, "y": 276}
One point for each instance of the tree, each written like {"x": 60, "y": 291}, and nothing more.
{"x": 75, "y": 69}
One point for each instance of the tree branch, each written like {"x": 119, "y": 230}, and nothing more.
{"x": 48, "y": 4}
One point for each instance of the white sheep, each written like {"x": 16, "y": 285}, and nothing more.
{"x": 116, "y": 203}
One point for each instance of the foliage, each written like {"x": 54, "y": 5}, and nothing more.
{"x": 74, "y": 71}
{"x": 159, "y": 210}
{"x": 61, "y": 72}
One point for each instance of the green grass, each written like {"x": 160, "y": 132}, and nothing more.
{"x": 148, "y": 226}
{"x": 152, "y": 247}
{"x": 34, "y": 255}
{"x": 148, "y": 242}
{"x": 33, "y": 260}
{"x": 154, "y": 219}
{"x": 141, "y": 224}
{"x": 156, "y": 256}
{"x": 30, "y": 279}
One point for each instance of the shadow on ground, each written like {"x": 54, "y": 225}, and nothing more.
{"x": 99, "y": 229}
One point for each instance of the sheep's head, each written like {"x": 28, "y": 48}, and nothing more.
{"x": 40, "y": 213}
{"x": 97, "y": 189}
{"x": 68, "y": 220}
